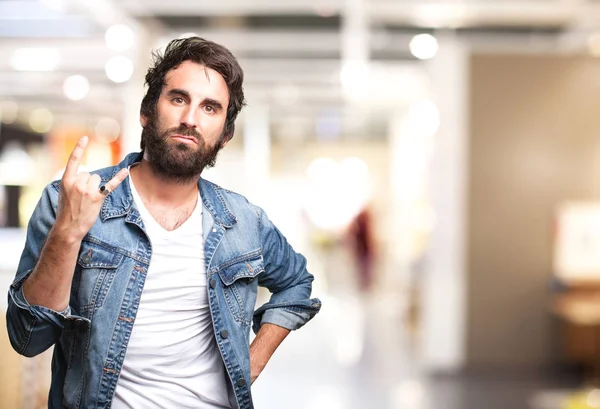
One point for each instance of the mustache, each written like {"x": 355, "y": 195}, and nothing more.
{"x": 184, "y": 131}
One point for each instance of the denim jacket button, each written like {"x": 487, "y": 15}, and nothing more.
{"x": 213, "y": 283}
{"x": 241, "y": 382}
{"x": 224, "y": 333}
{"x": 86, "y": 259}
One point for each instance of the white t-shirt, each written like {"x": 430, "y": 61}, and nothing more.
{"x": 172, "y": 358}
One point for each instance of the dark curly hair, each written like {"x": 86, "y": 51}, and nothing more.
{"x": 203, "y": 52}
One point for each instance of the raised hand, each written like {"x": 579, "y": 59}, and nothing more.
{"x": 80, "y": 200}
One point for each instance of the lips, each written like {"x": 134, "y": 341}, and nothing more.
{"x": 185, "y": 138}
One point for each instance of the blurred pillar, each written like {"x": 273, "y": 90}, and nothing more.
{"x": 444, "y": 288}
{"x": 408, "y": 161}
{"x": 257, "y": 151}
{"x": 132, "y": 130}
{"x": 355, "y": 31}
{"x": 355, "y": 51}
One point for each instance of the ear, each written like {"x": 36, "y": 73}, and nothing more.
{"x": 143, "y": 120}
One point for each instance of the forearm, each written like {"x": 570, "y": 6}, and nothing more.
{"x": 267, "y": 340}
{"x": 49, "y": 284}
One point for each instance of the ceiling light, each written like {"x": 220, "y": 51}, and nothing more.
{"x": 107, "y": 130}
{"x": 76, "y": 87}
{"x": 13, "y": 157}
{"x": 424, "y": 46}
{"x": 119, "y": 37}
{"x": 35, "y": 59}
{"x": 119, "y": 69}
{"x": 40, "y": 120}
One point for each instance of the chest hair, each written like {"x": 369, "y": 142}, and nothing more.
{"x": 171, "y": 218}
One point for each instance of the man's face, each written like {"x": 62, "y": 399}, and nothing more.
{"x": 184, "y": 134}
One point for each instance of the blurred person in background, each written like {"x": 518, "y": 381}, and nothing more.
{"x": 362, "y": 247}
{"x": 144, "y": 275}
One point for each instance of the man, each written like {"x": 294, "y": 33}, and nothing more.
{"x": 144, "y": 276}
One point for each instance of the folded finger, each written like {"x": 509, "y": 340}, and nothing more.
{"x": 114, "y": 182}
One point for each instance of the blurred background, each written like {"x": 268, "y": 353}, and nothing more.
{"x": 436, "y": 161}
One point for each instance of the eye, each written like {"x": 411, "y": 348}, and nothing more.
{"x": 209, "y": 108}
{"x": 178, "y": 100}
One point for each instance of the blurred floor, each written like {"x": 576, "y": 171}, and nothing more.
{"x": 351, "y": 356}
{"x": 356, "y": 355}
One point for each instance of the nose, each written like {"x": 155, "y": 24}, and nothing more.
{"x": 188, "y": 117}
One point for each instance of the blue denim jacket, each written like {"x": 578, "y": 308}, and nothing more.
{"x": 243, "y": 249}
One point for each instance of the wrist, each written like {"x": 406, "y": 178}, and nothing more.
{"x": 64, "y": 236}
{"x": 255, "y": 371}
{"x": 257, "y": 364}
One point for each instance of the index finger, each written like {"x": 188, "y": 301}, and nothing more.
{"x": 75, "y": 157}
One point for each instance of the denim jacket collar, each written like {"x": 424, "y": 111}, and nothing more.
{"x": 119, "y": 202}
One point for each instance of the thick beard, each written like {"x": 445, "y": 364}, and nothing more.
{"x": 177, "y": 162}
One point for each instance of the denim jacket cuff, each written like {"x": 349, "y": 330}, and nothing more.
{"x": 290, "y": 316}
{"x": 42, "y": 313}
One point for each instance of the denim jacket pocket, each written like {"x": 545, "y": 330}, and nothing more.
{"x": 239, "y": 285}
{"x": 96, "y": 268}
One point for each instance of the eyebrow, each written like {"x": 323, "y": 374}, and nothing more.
{"x": 183, "y": 93}
{"x": 178, "y": 92}
{"x": 213, "y": 102}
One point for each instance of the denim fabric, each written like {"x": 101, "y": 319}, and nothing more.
{"x": 243, "y": 250}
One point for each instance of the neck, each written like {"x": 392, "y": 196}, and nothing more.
{"x": 158, "y": 190}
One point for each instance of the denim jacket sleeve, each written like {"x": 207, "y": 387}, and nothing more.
{"x": 31, "y": 328}
{"x": 286, "y": 277}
